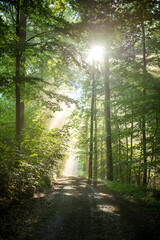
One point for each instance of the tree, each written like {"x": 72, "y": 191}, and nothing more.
{"x": 92, "y": 124}
{"x": 20, "y": 69}
{"x": 108, "y": 124}
{"x": 40, "y": 153}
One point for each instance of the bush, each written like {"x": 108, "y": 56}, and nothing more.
{"x": 39, "y": 159}
{"x": 140, "y": 194}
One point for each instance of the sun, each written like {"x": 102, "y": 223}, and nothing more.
{"x": 96, "y": 54}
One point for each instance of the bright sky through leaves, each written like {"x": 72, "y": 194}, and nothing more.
{"x": 96, "y": 54}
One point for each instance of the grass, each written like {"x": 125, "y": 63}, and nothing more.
{"x": 137, "y": 194}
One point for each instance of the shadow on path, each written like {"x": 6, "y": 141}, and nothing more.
{"x": 75, "y": 210}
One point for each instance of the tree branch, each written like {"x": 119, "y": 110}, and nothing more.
{"x": 39, "y": 34}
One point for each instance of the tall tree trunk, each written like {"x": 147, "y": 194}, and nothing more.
{"x": 131, "y": 140}
{"x": 101, "y": 158}
{"x": 127, "y": 151}
{"x": 87, "y": 147}
{"x": 18, "y": 107}
{"x": 95, "y": 138}
{"x": 22, "y": 61}
{"x": 157, "y": 150}
{"x": 91, "y": 125}
{"x": 119, "y": 157}
{"x": 108, "y": 124}
{"x": 144, "y": 109}
{"x": 20, "y": 70}
{"x": 127, "y": 157}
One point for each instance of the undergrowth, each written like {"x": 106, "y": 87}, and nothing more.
{"x": 137, "y": 194}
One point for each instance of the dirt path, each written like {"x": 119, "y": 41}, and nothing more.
{"x": 75, "y": 210}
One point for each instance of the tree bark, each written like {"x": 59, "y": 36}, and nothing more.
{"x": 87, "y": 146}
{"x": 131, "y": 140}
{"x": 119, "y": 156}
{"x": 20, "y": 70}
{"x": 127, "y": 151}
{"x": 22, "y": 61}
{"x": 95, "y": 138}
{"x": 108, "y": 124}
{"x": 17, "y": 86}
{"x": 91, "y": 125}
{"x": 144, "y": 109}
{"x": 101, "y": 158}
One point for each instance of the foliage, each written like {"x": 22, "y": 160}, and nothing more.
{"x": 40, "y": 158}
{"x": 137, "y": 194}
{"x": 35, "y": 56}
{"x": 133, "y": 114}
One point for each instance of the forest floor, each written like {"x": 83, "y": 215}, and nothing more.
{"x": 75, "y": 210}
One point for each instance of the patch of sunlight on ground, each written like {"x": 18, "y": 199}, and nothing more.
{"x": 68, "y": 194}
{"x": 69, "y": 187}
{"x": 106, "y": 208}
{"x": 38, "y": 195}
{"x": 109, "y": 209}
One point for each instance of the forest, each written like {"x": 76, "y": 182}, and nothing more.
{"x": 97, "y": 59}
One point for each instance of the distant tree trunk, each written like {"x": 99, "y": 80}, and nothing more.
{"x": 151, "y": 161}
{"x": 127, "y": 151}
{"x": 18, "y": 102}
{"x": 144, "y": 109}
{"x": 127, "y": 158}
{"x": 156, "y": 150}
{"x": 119, "y": 157}
{"x": 20, "y": 70}
{"x": 87, "y": 147}
{"x": 95, "y": 139}
{"x": 101, "y": 157}
{"x": 117, "y": 174}
{"x": 22, "y": 61}
{"x": 108, "y": 124}
{"x": 91, "y": 125}
{"x": 131, "y": 141}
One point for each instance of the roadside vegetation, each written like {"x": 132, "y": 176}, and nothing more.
{"x": 138, "y": 194}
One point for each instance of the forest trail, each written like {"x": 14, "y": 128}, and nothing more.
{"x": 75, "y": 210}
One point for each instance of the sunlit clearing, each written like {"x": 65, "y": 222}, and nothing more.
{"x": 96, "y": 54}
{"x": 71, "y": 166}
